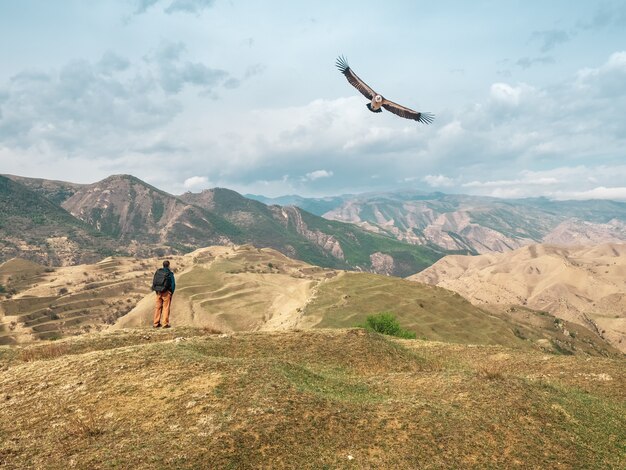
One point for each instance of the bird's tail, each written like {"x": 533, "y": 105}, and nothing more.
{"x": 369, "y": 106}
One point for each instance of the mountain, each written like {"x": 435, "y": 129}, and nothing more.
{"x": 311, "y": 238}
{"x": 146, "y": 221}
{"x": 55, "y": 191}
{"x": 138, "y": 214}
{"x": 317, "y": 206}
{"x": 476, "y": 224}
{"x": 33, "y": 227}
{"x": 583, "y": 285}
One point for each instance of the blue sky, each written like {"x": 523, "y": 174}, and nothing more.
{"x": 529, "y": 96}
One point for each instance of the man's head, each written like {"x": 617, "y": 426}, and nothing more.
{"x": 166, "y": 264}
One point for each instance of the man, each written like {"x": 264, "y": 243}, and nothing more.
{"x": 163, "y": 284}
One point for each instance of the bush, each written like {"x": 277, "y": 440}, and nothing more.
{"x": 386, "y": 324}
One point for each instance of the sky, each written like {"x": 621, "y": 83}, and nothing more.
{"x": 529, "y": 96}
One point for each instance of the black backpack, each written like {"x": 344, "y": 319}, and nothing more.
{"x": 161, "y": 281}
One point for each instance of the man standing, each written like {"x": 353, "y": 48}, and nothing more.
{"x": 163, "y": 284}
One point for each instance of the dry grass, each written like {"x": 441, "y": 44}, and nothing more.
{"x": 492, "y": 371}
{"x": 309, "y": 399}
{"x": 43, "y": 352}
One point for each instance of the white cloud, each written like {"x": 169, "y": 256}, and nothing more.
{"x": 438, "y": 181}
{"x": 196, "y": 181}
{"x": 600, "y": 192}
{"x": 317, "y": 174}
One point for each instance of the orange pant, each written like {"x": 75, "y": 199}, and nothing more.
{"x": 163, "y": 300}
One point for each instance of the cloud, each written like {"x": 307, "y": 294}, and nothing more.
{"x": 600, "y": 192}
{"x": 189, "y": 6}
{"x": 607, "y": 15}
{"x": 143, "y": 5}
{"x": 111, "y": 63}
{"x": 527, "y": 62}
{"x": 106, "y": 107}
{"x": 196, "y": 181}
{"x": 174, "y": 73}
{"x": 514, "y": 129}
{"x": 173, "y": 6}
{"x": 438, "y": 181}
{"x": 317, "y": 174}
{"x": 558, "y": 183}
{"x": 551, "y": 38}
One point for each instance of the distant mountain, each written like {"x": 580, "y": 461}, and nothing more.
{"x": 56, "y": 191}
{"x": 300, "y": 234}
{"x": 584, "y": 285}
{"x": 145, "y": 221}
{"x": 317, "y": 206}
{"x": 33, "y": 227}
{"x": 132, "y": 211}
{"x": 476, "y": 224}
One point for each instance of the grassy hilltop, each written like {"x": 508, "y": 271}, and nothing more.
{"x": 304, "y": 399}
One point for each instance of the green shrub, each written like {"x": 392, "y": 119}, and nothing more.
{"x": 386, "y": 324}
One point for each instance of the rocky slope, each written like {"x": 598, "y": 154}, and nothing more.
{"x": 585, "y": 285}
{"x": 300, "y": 234}
{"x": 130, "y": 210}
{"x": 475, "y": 224}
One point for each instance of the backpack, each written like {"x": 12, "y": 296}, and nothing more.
{"x": 161, "y": 281}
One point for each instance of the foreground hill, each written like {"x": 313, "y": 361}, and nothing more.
{"x": 307, "y": 399}
{"x": 583, "y": 285}
{"x": 32, "y": 226}
{"x": 472, "y": 223}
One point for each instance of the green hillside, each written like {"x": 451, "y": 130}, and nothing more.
{"x": 29, "y": 219}
{"x": 431, "y": 312}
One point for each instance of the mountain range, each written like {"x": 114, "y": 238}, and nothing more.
{"x": 472, "y": 223}
{"x": 124, "y": 215}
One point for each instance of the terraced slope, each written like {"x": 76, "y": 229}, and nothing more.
{"x": 237, "y": 289}
{"x": 246, "y": 289}
{"x": 243, "y": 288}
{"x": 146, "y": 399}
{"x": 53, "y": 303}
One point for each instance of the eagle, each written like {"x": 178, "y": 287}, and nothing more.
{"x": 378, "y": 101}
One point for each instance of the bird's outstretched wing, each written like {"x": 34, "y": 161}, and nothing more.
{"x": 402, "y": 111}
{"x": 355, "y": 81}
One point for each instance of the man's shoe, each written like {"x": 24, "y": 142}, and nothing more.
{"x": 166, "y": 326}
{"x": 156, "y": 326}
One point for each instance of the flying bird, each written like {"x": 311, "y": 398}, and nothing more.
{"x": 377, "y": 100}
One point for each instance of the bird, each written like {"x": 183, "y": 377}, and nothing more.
{"x": 377, "y": 100}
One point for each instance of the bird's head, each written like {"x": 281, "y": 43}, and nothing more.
{"x": 378, "y": 98}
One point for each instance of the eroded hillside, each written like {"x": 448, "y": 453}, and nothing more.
{"x": 583, "y": 285}
{"x": 243, "y": 288}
